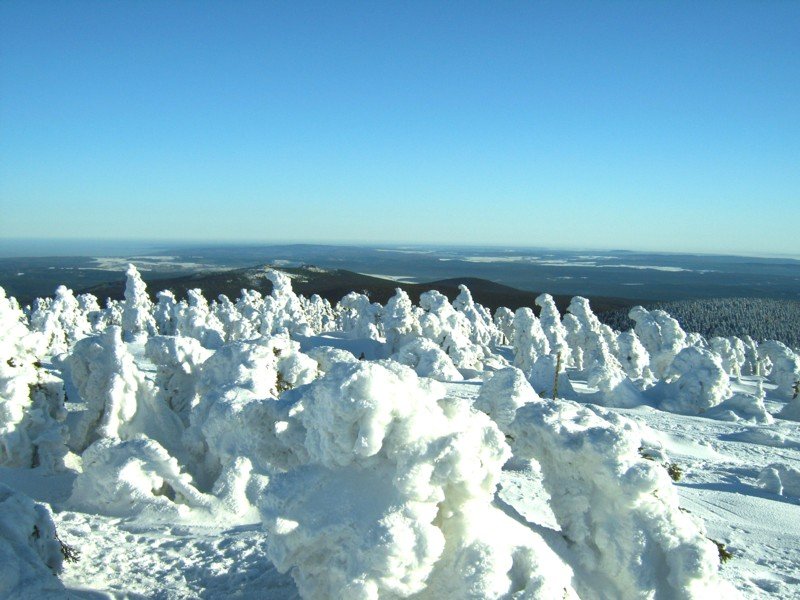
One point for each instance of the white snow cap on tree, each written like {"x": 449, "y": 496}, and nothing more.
{"x": 193, "y": 318}
{"x": 633, "y": 355}
{"x": 282, "y": 310}
{"x": 121, "y": 403}
{"x": 427, "y": 360}
{"x": 504, "y": 321}
{"x": 137, "y": 311}
{"x": 449, "y": 329}
{"x": 61, "y": 322}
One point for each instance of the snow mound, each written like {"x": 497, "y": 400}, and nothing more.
{"x": 134, "y": 477}
{"x": 428, "y": 360}
{"x": 618, "y": 511}
{"x": 503, "y": 393}
{"x": 695, "y": 382}
{"x": 780, "y": 479}
{"x": 431, "y": 466}
{"x": 30, "y": 553}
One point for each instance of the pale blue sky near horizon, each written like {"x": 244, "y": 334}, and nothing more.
{"x": 671, "y": 126}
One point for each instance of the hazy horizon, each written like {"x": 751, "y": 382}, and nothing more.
{"x": 33, "y": 247}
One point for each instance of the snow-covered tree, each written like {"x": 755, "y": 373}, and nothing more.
{"x": 530, "y": 341}
{"x": 137, "y": 311}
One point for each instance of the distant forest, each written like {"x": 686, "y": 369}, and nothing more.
{"x": 760, "y": 318}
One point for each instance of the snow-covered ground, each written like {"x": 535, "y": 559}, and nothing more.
{"x": 280, "y": 447}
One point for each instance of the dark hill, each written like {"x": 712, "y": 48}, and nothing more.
{"x": 335, "y": 283}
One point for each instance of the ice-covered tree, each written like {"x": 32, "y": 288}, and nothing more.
{"x": 530, "y": 341}
{"x": 359, "y": 317}
{"x": 694, "y": 382}
{"x": 633, "y": 356}
{"x": 282, "y": 311}
{"x": 482, "y": 329}
{"x": 137, "y": 311}
{"x": 553, "y": 328}
{"x": 400, "y": 319}
{"x": 661, "y": 335}
{"x": 785, "y": 371}
{"x": 504, "y": 321}
{"x": 450, "y": 330}
{"x": 193, "y": 318}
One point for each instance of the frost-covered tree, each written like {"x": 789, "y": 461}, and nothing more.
{"x": 282, "y": 310}
{"x": 120, "y": 402}
{"x": 482, "y": 329}
{"x": 319, "y": 313}
{"x": 164, "y": 312}
{"x": 432, "y": 474}
{"x": 608, "y": 488}
{"x": 30, "y": 553}
{"x": 450, "y": 330}
{"x": 193, "y": 318}
{"x": 633, "y": 356}
{"x": 530, "y": 341}
{"x": 553, "y": 329}
{"x": 31, "y": 398}
{"x": 359, "y": 317}
{"x": 428, "y": 360}
{"x": 661, "y": 335}
{"x": 137, "y": 311}
{"x": 694, "y": 382}
{"x": 61, "y": 321}
{"x": 785, "y": 371}
{"x": 400, "y": 320}
{"x": 504, "y": 321}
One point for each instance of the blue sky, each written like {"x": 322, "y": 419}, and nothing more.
{"x": 642, "y": 125}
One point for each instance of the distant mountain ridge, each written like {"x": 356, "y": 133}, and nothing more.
{"x": 333, "y": 284}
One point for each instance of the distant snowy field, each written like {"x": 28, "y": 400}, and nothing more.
{"x": 282, "y": 447}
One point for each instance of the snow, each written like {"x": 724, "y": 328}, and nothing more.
{"x": 283, "y": 447}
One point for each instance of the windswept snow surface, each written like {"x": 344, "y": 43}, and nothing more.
{"x": 280, "y": 447}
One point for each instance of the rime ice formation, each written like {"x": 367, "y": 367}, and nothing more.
{"x": 30, "y": 554}
{"x": 400, "y": 319}
{"x": 785, "y": 371}
{"x": 378, "y": 446}
{"x": 427, "y": 360}
{"x": 503, "y": 393}
{"x": 530, "y": 341}
{"x": 618, "y": 511}
{"x": 431, "y": 467}
{"x": 360, "y": 318}
{"x": 695, "y": 382}
{"x": 661, "y": 335}
{"x": 553, "y": 328}
{"x": 137, "y": 311}
{"x": 120, "y": 402}
{"x": 450, "y": 330}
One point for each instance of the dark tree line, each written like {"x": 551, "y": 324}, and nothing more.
{"x": 760, "y": 318}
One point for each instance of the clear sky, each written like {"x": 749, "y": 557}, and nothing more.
{"x": 641, "y": 125}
